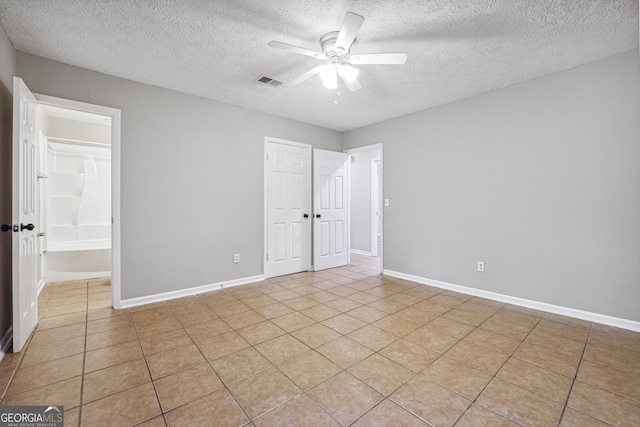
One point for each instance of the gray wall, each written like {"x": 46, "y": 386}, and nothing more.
{"x": 7, "y": 69}
{"x": 192, "y": 176}
{"x": 540, "y": 180}
{"x": 73, "y": 129}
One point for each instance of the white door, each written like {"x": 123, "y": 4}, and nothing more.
{"x": 287, "y": 207}
{"x": 331, "y": 209}
{"x": 25, "y": 214}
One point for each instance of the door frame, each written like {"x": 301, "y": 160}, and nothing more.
{"x": 308, "y": 201}
{"x": 375, "y": 205}
{"x": 371, "y": 147}
{"x": 115, "y": 114}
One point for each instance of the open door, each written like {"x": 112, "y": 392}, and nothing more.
{"x": 287, "y": 207}
{"x": 25, "y": 214}
{"x": 331, "y": 209}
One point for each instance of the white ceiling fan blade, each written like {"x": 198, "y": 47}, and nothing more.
{"x": 306, "y": 75}
{"x": 353, "y": 86}
{"x": 296, "y": 49}
{"x": 350, "y": 27}
{"x": 378, "y": 58}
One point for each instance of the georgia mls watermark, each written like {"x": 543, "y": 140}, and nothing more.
{"x": 31, "y": 416}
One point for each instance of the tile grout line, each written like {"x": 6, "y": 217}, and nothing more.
{"x": 208, "y": 363}
{"x": 575, "y": 377}
{"x": 273, "y": 365}
{"x": 84, "y": 358}
{"x": 435, "y": 360}
{"x": 475, "y": 401}
{"x": 25, "y": 348}
{"x": 345, "y": 370}
{"x": 386, "y": 396}
{"x": 252, "y": 346}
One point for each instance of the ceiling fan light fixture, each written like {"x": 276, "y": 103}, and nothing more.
{"x": 349, "y": 73}
{"x": 329, "y": 76}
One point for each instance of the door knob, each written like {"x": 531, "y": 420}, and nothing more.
{"x": 28, "y": 227}
{"x": 6, "y": 227}
{"x": 318, "y": 215}
{"x": 306, "y": 215}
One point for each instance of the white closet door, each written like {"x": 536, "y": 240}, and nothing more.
{"x": 288, "y": 180}
{"x": 331, "y": 209}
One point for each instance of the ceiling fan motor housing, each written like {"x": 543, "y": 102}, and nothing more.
{"x": 328, "y": 44}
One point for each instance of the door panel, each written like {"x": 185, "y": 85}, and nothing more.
{"x": 331, "y": 227}
{"x": 25, "y": 213}
{"x": 288, "y": 199}
{"x": 339, "y": 233}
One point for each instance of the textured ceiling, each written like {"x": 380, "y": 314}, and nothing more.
{"x": 217, "y": 49}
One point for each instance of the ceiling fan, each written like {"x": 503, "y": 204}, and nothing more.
{"x": 336, "y": 46}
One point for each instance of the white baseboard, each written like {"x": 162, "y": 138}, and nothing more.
{"x": 133, "y": 302}
{"x": 537, "y": 305}
{"x": 358, "y": 252}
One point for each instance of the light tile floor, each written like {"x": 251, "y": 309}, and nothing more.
{"x": 339, "y": 347}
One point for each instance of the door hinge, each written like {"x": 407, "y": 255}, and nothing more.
{"x": 267, "y": 257}
{"x": 267, "y": 156}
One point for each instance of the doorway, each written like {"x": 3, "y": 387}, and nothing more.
{"x": 289, "y": 216}
{"x": 75, "y": 194}
{"x": 29, "y": 148}
{"x": 366, "y": 172}
{"x": 81, "y": 203}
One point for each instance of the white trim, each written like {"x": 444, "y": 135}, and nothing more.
{"x": 348, "y": 207}
{"x": 617, "y": 322}
{"x": 1, "y": 355}
{"x": 375, "y": 165}
{"x": 115, "y": 115}
{"x": 134, "y": 302}
{"x": 6, "y": 340}
{"x": 359, "y": 252}
{"x": 40, "y": 286}
{"x": 308, "y": 201}
{"x": 371, "y": 147}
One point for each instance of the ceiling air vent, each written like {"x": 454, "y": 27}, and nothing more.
{"x": 269, "y": 81}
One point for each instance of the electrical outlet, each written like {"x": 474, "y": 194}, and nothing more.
{"x": 481, "y": 266}
{"x": 236, "y": 258}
